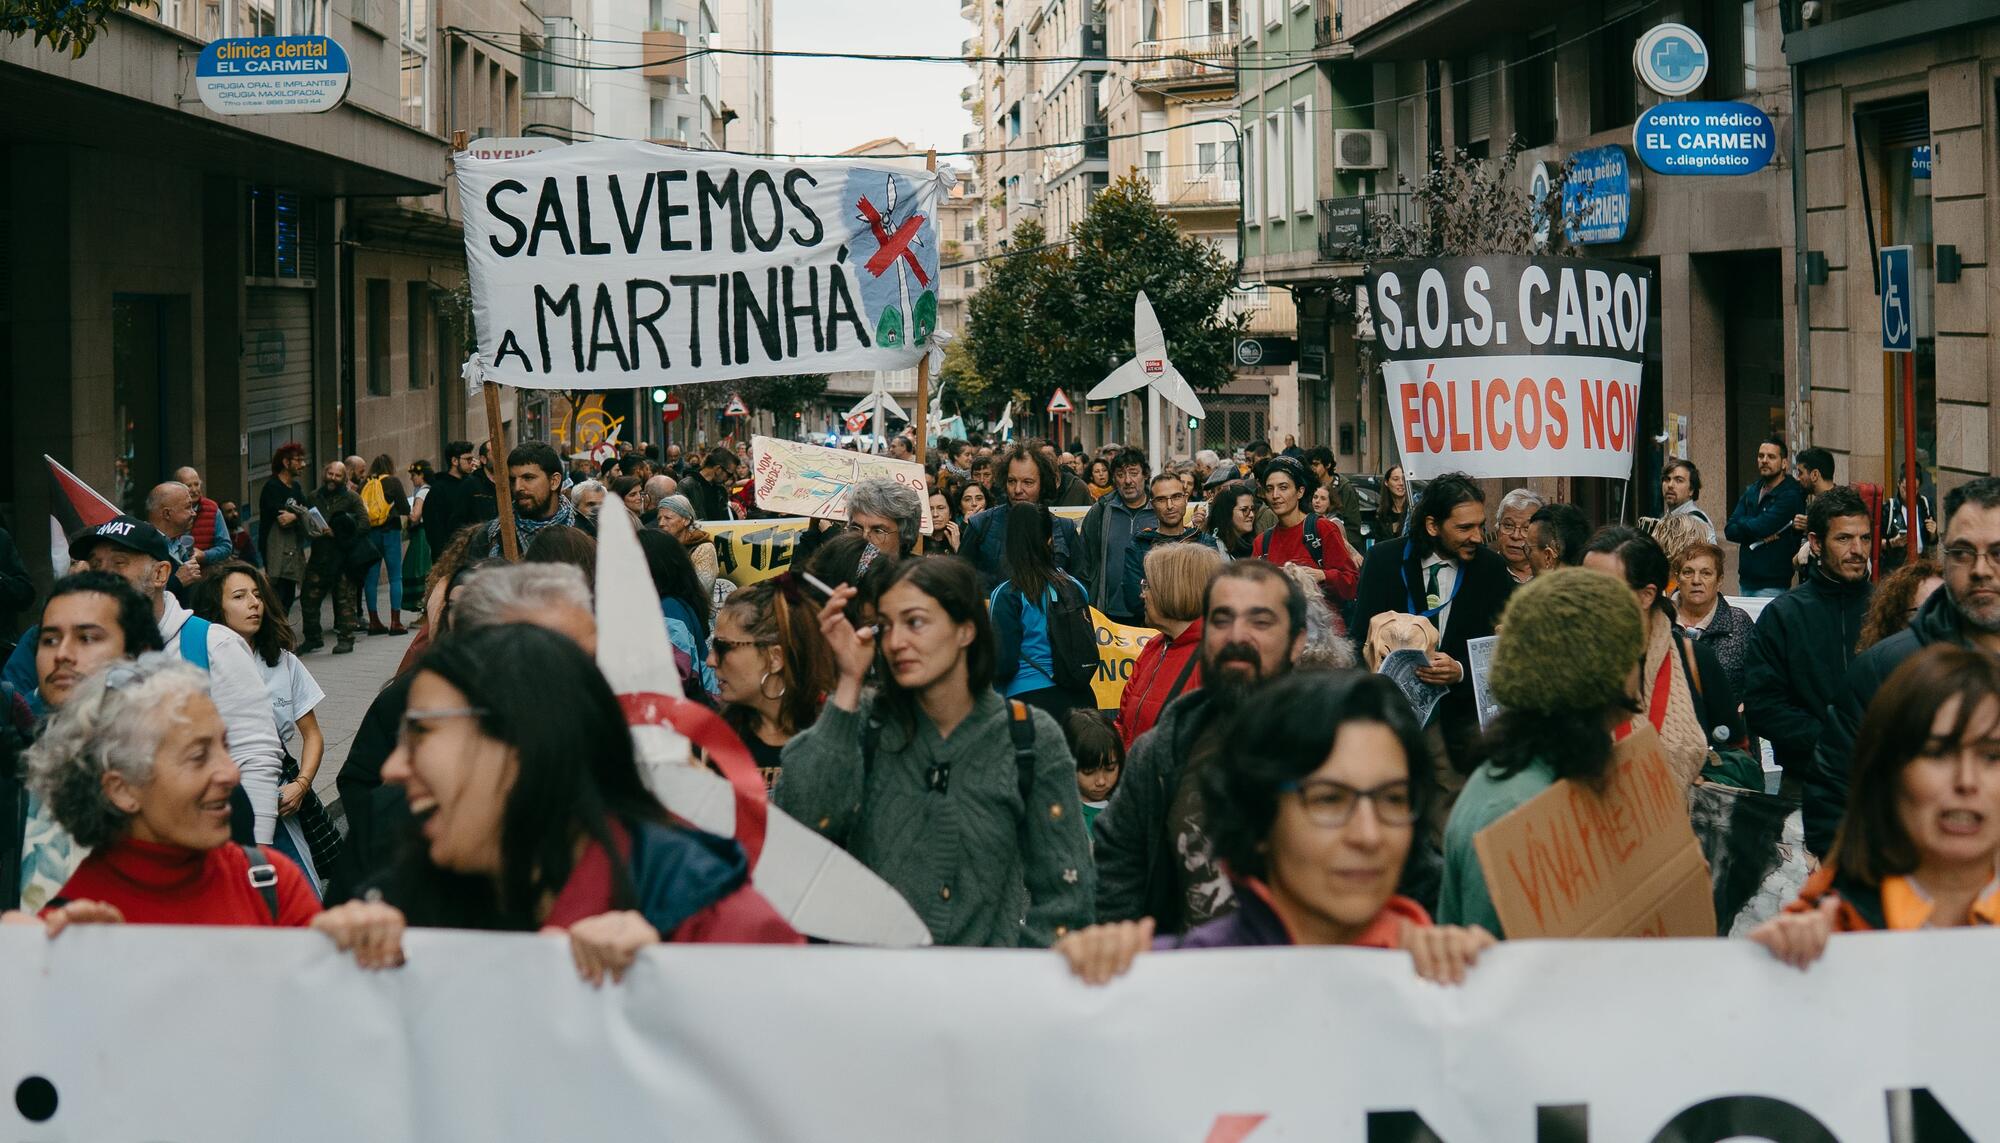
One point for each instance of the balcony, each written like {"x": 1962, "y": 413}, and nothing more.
{"x": 1349, "y": 227}
{"x": 665, "y": 55}
{"x": 1360, "y": 15}
{"x": 1191, "y": 186}
{"x": 1196, "y": 61}
{"x": 1327, "y": 23}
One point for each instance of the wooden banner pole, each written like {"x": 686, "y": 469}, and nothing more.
{"x": 503, "y": 490}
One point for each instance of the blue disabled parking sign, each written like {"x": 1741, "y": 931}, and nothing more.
{"x": 1899, "y": 319}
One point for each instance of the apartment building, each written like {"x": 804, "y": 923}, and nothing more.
{"x": 662, "y": 94}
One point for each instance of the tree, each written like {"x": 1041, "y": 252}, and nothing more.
{"x": 67, "y": 25}
{"x": 781, "y": 396}
{"x": 1063, "y": 316}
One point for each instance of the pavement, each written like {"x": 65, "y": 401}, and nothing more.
{"x": 351, "y": 683}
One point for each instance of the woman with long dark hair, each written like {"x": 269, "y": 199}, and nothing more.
{"x": 1232, "y": 517}
{"x": 1565, "y": 673}
{"x": 1328, "y": 790}
{"x": 1921, "y": 838}
{"x": 1039, "y": 613}
{"x": 516, "y": 760}
{"x": 682, "y": 601}
{"x": 772, "y": 668}
{"x": 964, "y": 802}
{"x": 1392, "y": 511}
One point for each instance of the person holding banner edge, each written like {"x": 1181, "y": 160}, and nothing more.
{"x": 1315, "y": 818}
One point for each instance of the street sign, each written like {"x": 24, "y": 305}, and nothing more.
{"x": 1704, "y": 138}
{"x": 1598, "y": 196}
{"x": 1671, "y": 59}
{"x": 857, "y": 422}
{"x": 670, "y": 409}
{"x": 1920, "y": 161}
{"x": 1059, "y": 402}
{"x": 1899, "y": 321}
{"x": 271, "y": 75}
{"x": 736, "y": 406}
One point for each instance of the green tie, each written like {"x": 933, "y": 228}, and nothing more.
{"x": 1431, "y": 597}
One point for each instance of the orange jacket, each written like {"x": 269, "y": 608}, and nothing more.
{"x": 1899, "y": 903}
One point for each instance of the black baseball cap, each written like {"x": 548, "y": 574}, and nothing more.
{"x": 128, "y": 532}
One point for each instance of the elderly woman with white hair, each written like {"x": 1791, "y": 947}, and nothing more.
{"x": 888, "y": 515}
{"x": 587, "y": 496}
{"x": 676, "y": 518}
{"x": 1513, "y": 537}
{"x": 135, "y": 768}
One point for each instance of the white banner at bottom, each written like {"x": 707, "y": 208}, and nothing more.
{"x": 130, "y": 1035}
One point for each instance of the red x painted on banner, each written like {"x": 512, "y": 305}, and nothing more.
{"x": 893, "y": 246}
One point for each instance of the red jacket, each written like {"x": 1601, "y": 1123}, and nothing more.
{"x": 1151, "y": 686}
{"x": 207, "y": 525}
{"x": 156, "y": 884}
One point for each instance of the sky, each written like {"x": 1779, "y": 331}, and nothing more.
{"x": 825, "y": 106}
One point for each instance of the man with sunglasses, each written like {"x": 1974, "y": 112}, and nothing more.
{"x": 1170, "y": 509}
{"x": 1966, "y": 612}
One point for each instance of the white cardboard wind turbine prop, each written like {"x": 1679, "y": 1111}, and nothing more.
{"x": 815, "y": 885}
{"x": 1150, "y": 368}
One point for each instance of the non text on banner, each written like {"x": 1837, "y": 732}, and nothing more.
{"x": 623, "y": 264}
{"x": 1508, "y": 366}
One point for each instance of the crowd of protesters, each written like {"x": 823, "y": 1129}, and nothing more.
{"x": 922, "y": 689}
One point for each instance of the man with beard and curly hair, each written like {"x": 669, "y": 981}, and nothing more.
{"x": 1153, "y": 854}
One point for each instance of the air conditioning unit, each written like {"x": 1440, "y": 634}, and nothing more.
{"x": 1360, "y": 150}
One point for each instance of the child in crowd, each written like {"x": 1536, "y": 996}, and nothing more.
{"x": 1100, "y": 758}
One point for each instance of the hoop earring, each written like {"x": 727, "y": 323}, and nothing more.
{"x": 781, "y": 688}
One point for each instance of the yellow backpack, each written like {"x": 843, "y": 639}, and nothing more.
{"x": 376, "y": 503}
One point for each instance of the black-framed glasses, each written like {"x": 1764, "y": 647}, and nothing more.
{"x": 725, "y": 646}
{"x": 1332, "y": 804}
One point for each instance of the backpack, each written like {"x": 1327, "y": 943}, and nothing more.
{"x": 373, "y": 499}
{"x": 194, "y": 642}
{"x": 1310, "y": 533}
{"x": 1072, "y": 634}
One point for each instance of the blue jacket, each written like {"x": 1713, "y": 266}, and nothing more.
{"x": 1107, "y": 535}
{"x": 984, "y": 542}
{"x": 1025, "y": 657}
{"x": 1760, "y": 514}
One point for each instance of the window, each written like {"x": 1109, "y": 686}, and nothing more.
{"x": 1274, "y": 165}
{"x": 1731, "y": 32}
{"x": 416, "y": 315}
{"x": 1231, "y": 175}
{"x": 971, "y": 231}
{"x": 1614, "y": 89}
{"x": 1156, "y": 168}
{"x": 378, "y": 337}
{"x": 1748, "y": 30}
{"x": 280, "y": 235}
{"x": 971, "y": 277}
{"x": 656, "y": 123}
{"x": 1535, "y": 90}
{"x": 1472, "y": 97}
{"x": 416, "y": 63}
{"x": 683, "y": 129}
{"x": 1302, "y": 159}
{"x": 1253, "y": 196}
{"x": 536, "y": 69}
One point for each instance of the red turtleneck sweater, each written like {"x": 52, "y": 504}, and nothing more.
{"x": 156, "y": 884}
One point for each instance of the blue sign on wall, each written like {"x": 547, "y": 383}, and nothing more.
{"x": 1899, "y": 316}
{"x": 272, "y": 75}
{"x": 1920, "y": 162}
{"x": 1597, "y": 198}
{"x": 1704, "y": 138}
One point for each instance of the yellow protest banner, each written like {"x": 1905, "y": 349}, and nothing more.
{"x": 1118, "y": 648}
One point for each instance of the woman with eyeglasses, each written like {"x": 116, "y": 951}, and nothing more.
{"x": 135, "y": 768}
{"x": 772, "y": 668}
{"x": 966, "y": 803}
{"x": 1920, "y": 845}
{"x": 517, "y": 764}
{"x": 1319, "y": 810}
{"x": 1232, "y": 519}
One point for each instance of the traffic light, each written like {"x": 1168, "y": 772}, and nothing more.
{"x": 1193, "y": 424}
{"x": 659, "y": 396}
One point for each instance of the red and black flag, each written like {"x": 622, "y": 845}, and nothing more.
{"x": 74, "y": 507}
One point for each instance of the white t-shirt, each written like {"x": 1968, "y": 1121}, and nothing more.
{"x": 421, "y": 494}
{"x": 294, "y": 694}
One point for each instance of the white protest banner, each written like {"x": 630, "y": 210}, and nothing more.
{"x": 814, "y": 481}
{"x": 1505, "y": 366}
{"x": 129, "y": 1034}
{"x": 619, "y": 264}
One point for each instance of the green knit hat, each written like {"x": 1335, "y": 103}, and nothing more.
{"x": 1568, "y": 641}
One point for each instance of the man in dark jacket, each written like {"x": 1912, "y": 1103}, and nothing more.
{"x": 1966, "y": 612}
{"x": 1069, "y": 490}
{"x": 1108, "y": 531}
{"x": 443, "y": 506}
{"x": 1443, "y": 571}
{"x": 1029, "y": 475}
{"x": 1763, "y": 524}
{"x": 708, "y": 488}
{"x": 1805, "y": 638}
{"x": 478, "y": 496}
{"x": 1154, "y": 858}
{"x": 331, "y": 569}
{"x": 1170, "y": 511}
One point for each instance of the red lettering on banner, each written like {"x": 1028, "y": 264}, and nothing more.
{"x": 1593, "y": 413}
{"x": 1558, "y": 416}
{"x": 1527, "y": 394}
{"x": 1413, "y": 420}
{"x": 1461, "y": 441}
{"x": 1433, "y": 421}
{"x": 1618, "y": 415}
{"x": 1478, "y": 423}
{"x": 1497, "y": 422}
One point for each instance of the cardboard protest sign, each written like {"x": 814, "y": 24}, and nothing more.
{"x": 618, "y": 264}
{"x": 1505, "y": 366}
{"x": 814, "y": 481}
{"x": 1573, "y": 862}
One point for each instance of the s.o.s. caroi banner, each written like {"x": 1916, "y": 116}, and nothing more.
{"x": 1508, "y": 366}
{"x": 618, "y": 264}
